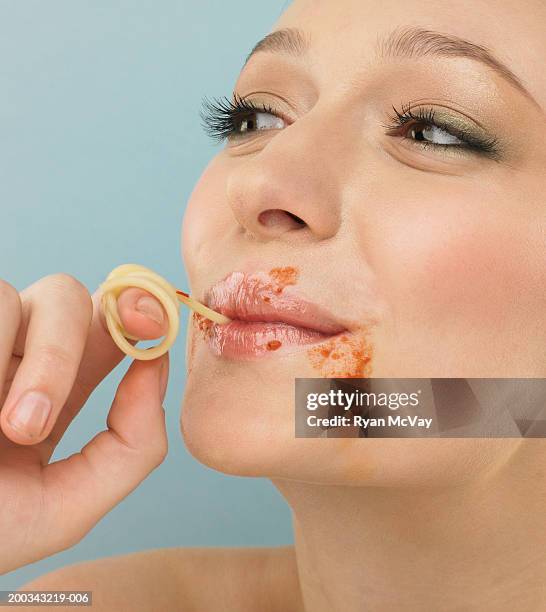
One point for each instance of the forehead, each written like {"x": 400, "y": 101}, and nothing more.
{"x": 347, "y": 32}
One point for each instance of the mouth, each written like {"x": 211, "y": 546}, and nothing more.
{"x": 266, "y": 318}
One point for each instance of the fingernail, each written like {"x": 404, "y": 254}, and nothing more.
{"x": 163, "y": 379}
{"x": 149, "y": 307}
{"x": 30, "y": 414}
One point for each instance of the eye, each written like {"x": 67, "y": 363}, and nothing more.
{"x": 258, "y": 121}
{"x": 440, "y": 131}
{"x": 232, "y": 118}
{"x": 433, "y": 134}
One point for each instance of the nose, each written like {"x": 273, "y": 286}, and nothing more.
{"x": 289, "y": 190}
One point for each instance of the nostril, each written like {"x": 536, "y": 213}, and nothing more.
{"x": 280, "y": 219}
{"x": 296, "y": 218}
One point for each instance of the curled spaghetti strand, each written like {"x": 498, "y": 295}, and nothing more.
{"x": 134, "y": 275}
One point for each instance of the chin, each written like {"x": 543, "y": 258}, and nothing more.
{"x": 238, "y": 419}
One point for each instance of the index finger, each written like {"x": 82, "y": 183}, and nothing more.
{"x": 101, "y": 354}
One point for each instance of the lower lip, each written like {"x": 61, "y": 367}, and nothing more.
{"x": 247, "y": 340}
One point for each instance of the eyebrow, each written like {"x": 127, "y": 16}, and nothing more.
{"x": 289, "y": 40}
{"x": 402, "y": 42}
{"x": 417, "y": 42}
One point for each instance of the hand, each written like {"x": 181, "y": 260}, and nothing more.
{"x": 54, "y": 350}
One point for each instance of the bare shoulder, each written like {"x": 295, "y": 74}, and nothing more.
{"x": 189, "y": 579}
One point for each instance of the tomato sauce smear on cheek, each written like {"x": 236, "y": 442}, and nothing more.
{"x": 343, "y": 356}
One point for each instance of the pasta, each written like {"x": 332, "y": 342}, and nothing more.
{"x": 133, "y": 275}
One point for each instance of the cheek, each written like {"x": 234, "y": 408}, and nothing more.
{"x": 455, "y": 263}
{"x": 462, "y": 271}
{"x": 205, "y": 218}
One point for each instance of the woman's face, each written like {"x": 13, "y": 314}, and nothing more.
{"x": 388, "y": 193}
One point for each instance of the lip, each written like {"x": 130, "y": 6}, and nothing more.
{"x": 266, "y": 318}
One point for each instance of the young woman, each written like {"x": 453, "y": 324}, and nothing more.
{"x": 383, "y": 174}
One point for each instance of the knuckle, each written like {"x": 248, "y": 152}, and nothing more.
{"x": 55, "y": 356}
{"x": 158, "y": 454}
{"x": 155, "y": 454}
{"x": 9, "y": 295}
{"x": 68, "y": 284}
{"x": 72, "y": 289}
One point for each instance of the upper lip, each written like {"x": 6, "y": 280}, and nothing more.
{"x": 250, "y": 297}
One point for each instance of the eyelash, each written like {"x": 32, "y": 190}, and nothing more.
{"x": 221, "y": 118}
{"x": 407, "y": 118}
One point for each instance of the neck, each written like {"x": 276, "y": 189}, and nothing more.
{"x": 477, "y": 546}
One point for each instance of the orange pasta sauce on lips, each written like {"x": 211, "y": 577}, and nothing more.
{"x": 264, "y": 317}
{"x": 282, "y": 277}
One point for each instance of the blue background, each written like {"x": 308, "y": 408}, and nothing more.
{"x": 100, "y": 148}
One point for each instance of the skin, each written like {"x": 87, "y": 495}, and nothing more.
{"x": 55, "y": 342}
{"x": 439, "y": 257}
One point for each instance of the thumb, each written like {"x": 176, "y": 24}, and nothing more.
{"x": 116, "y": 460}
{"x": 141, "y": 314}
